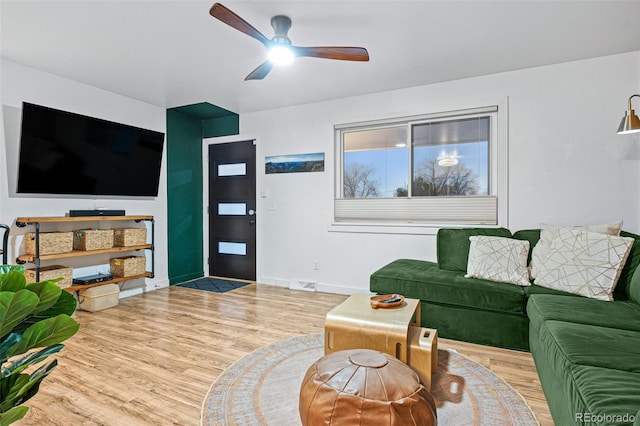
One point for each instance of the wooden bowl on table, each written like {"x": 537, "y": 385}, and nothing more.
{"x": 387, "y": 301}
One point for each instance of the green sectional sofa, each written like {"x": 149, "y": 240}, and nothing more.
{"x": 487, "y": 312}
{"x": 586, "y": 351}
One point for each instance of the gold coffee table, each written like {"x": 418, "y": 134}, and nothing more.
{"x": 354, "y": 324}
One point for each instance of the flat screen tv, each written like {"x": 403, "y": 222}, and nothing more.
{"x": 71, "y": 154}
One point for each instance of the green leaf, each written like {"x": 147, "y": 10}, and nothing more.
{"x": 45, "y": 333}
{"x": 47, "y": 291}
{"x": 13, "y": 415}
{"x": 14, "y": 307}
{"x": 32, "y": 386}
{"x": 23, "y": 387}
{"x": 13, "y": 281}
{"x": 66, "y": 304}
{"x": 6, "y": 343}
{"x": 11, "y": 388}
{"x": 16, "y": 366}
{"x": 6, "y": 268}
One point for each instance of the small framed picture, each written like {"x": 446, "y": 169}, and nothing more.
{"x": 294, "y": 163}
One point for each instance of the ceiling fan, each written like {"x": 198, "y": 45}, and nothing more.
{"x": 280, "y": 49}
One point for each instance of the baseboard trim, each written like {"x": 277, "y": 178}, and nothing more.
{"x": 131, "y": 292}
{"x": 156, "y": 284}
{"x": 320, "y": 287}
{"x": 274, "y": 281}
{"x": 340, "y": 289}
{"x": 186, "y": 277}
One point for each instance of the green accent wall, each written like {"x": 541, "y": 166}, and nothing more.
{"x": 221, "y": 126}
{"x": 186, "y": 126}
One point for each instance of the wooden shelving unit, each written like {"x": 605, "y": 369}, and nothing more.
{"x": 36, "y": 258}
{"x": 31, "y": 258}
{"x": 115, "y": 280}
{"x": 22, "y": 221}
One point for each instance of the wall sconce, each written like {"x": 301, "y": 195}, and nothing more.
{"x": 630, "y": 122}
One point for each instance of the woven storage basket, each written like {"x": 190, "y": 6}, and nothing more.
{"x": 50, "y": 273}
{"x": 127, "y": 237}
{"x": 128, "y": 266}
{"x": 50, "y": 242}
{"x": 92, "y": 239}
{"x": 99, "y": 298}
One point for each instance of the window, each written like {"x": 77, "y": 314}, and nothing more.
{"x": 375, "y": 162}
{"x": 433, "y": 169}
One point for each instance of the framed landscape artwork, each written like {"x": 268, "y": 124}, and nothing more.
{"x": 294, "y": 163}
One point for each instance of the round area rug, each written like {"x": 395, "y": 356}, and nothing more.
{"x": 262, "y": 389}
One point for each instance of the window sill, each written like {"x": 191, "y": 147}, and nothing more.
{"x": 396, "y": 228}
{"x": 384, "y": 228}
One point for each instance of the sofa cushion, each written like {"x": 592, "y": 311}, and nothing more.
{"x": 583, "y": 262}
{"x": 606, "y": 392}
{"x": 572, "y": 388}
{"x": 550, "y": 232}
{"x": 630, "y": 266}
{"x": 498, "y": 259}
{"x": 424, "y": 280}
{"x": 626, "y": 275}
{"x": 479, "y": 326}
{"x": 622, "y": 314}
{"x": 453, "y": 245}
{"x": 597, "y": 370}
{"x": 594, "y": 345}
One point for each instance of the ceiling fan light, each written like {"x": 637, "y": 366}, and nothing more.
{"x": 281, "y": 55}
{"x": 448, "y": 161}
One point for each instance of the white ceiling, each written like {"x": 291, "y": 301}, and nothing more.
{"x": 173, "y": 53}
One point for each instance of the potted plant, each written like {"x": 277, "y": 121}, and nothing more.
{"x": 34, "y": 320}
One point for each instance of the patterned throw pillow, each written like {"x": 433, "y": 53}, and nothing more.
{"x": 549, "y": 232}
{"x": 584, "y": 263}
{"x": 498, "y": 259}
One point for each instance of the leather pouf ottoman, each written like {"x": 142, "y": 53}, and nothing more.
{"x": 364, "y": 387}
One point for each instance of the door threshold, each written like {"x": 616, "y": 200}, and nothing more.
{"x": 231, "y": 279}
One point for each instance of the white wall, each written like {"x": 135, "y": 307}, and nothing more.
{"x": 566, "y": 164}
{"x": 19, "y": 83}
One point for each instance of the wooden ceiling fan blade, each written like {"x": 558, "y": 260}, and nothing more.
{"x": 340, "y": 53}
{"x": 260, "y": 72}
{"x": 227, "y": 16}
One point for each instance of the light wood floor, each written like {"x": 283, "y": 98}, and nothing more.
{"x": 151, "y": 360}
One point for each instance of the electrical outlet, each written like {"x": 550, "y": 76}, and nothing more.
{"x": 316, "y": 265}
{"x": 271, "y": 205}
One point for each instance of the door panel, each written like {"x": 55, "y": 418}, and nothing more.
{"x": 232, "y": 204}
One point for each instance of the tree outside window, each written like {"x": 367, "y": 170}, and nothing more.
{"x": 446, "y": 158}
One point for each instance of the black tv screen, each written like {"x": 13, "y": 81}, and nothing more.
{"x": 72, "y": 154}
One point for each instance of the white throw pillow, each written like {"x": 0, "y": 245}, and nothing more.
{"x": 584, "y": 263}
{"x": 549, "y": 232}
{"x": 498, "y": 259}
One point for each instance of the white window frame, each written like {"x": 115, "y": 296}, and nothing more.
{"x": 427, "y": 214}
